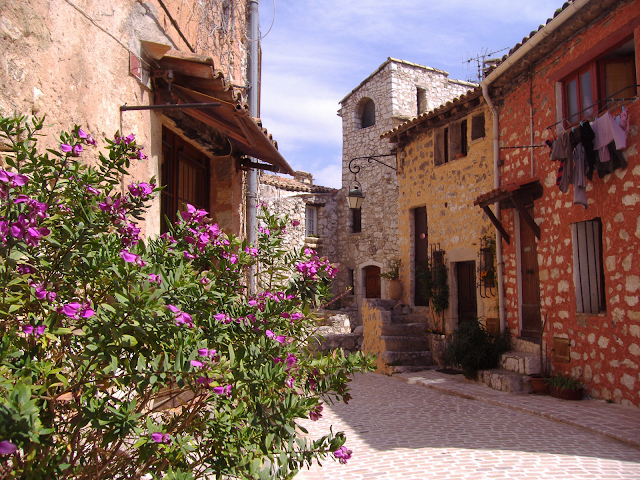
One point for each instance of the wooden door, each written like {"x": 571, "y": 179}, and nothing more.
{"x": 373, "y": 281}
{"x": 467, "y": 299}
{"x": 185, "y": 174}
{"x": 420, "y": 254}
{"x": 531, "y": 319}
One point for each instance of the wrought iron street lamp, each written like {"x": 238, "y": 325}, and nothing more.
{"x": 356, "y": 195}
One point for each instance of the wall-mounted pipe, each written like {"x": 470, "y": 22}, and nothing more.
{"x": 547, "y": 30}
{"x": 252, "y": 176}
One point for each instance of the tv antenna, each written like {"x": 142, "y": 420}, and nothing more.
{"x": 483, "y": 62}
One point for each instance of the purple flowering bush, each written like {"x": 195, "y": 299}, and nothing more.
{"x": 124, "y": 357}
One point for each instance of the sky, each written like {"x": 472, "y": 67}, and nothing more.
{"x": 314, "y": 52}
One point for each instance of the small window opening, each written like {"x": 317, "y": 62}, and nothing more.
{"x": 369, "y": 114}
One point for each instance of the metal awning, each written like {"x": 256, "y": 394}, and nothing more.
{"x": 185, "y": 78}
{"x": 518, "y": 195}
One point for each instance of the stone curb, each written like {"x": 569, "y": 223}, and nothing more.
{"x": 471, "y": 390}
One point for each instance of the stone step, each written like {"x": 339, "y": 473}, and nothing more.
{"x": 396, "y": 343}
{"x": 409, "y": 368}
{"x": 398, "y": 319}
{"x": 404, "y": 329}
{"x": 407, "y": 358}
{"x": 520, "y": 362}
{"x": 506, "y": 381}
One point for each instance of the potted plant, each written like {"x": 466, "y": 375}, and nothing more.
{"x": 565, "y": 387}
{"x": 393, "y": 275}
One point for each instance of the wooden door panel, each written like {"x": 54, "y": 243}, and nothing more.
{"x": 531, "y": 319}
{"x": 467, "y": 299}
{"x": 373, "y": 285}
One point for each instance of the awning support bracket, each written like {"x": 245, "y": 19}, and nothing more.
{"x": 497, "y": 224}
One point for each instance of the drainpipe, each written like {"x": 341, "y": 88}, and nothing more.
{"x": 254, "y": 108}
{"x": 496, "y": 184}
{"x": 547, "y": 30}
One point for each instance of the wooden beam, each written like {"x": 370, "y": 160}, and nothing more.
{"x": 497, "y": 224}
{"x": 527, "y": 218}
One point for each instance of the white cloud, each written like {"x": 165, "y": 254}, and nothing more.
{"x": 319, "y": 50}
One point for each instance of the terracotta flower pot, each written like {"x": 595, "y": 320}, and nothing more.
{"x": 566, "y": 393}
{"x": 395, "y": 290}
{"x": 539, "y": 384}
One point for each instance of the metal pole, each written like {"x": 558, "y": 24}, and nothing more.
{"x": 254, "y": 108}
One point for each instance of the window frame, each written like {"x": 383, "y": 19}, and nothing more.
{"x": 596, "y": 67}
{"x": 588, "y": 267}
{"x": 356, "y": 220}
{"x": 311, "y": 220}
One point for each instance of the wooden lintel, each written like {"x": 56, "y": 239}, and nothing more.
{"x": 497, "y": 224}
{"x": 527, "y": 218}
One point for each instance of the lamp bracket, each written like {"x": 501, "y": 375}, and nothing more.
{"x": 370, "y": 158}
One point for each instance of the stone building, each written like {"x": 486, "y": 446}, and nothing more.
{"x": 445, "y": 162}
{"x": 571, "y": 255}
{"x": 311, "y": 207}
{"x": 79, "y": 62}
{"x": 395, "y": 92}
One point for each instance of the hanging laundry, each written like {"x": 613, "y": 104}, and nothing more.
{"x": 607, "y": 130}
{"x": 561, "y": 147}
{"x": 579, "y": 181}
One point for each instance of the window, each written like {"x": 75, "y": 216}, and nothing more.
{"x": 613, "y": 74}
{"x": 356, "y": 220}
{"x": 185, "y": 174}
{"x": 421, "y": 100}
{"x": 477, "y": 127}
{"x": 311, "y": 216}
{"x": 587, "y": 266}
{"x": 451, "y": 142}
{"x": 369, "y": 114}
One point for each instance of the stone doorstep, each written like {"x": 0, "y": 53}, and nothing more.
{"x": 412, "y": 359}
{"x": 404, "y": 344}
{"x": 521, "y": 362}
{"x": 400, "y": 319}
{"x": 506, "y": 381}
{"x": 404, "y": 329}
{"x": 409, "y": 368}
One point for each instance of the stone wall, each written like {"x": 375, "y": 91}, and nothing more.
{"x": 448, "y": 192}
{"x": 56, "y": 62}
{"x": 393, "y": 88}
{"x": 604, "y": 347}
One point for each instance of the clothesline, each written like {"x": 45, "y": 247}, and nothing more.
{"x": 618, "y": 100}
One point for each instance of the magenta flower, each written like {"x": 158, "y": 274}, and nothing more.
{"x": 197, "y": 363}
{"x": 81, "y": 133}
{"x": 292, "y": 361}
{"x": 132, "y": 258}
{"x": 159, "y": 437}
{"x": 190, "y": 256}
{"x": 90, "y": 140}
{"x": 141, "y": 189}
{"x": 155, "y": 278}
{"x": 7, "y": 448}
{"x": 204, "y": 352}
{"x": 295, "y": 223}
{"x": 181, "y": 317}
{"x": 28, "y": 329}
{"x": 76, "y": 311}
{"x": 65, "y": 147}
{"x": 77, "y": 150}
{"x": 316, "y": 414}
{"x": 342, "y": 454}
{"x": 278, "y": 338}
{"x": 296, "y": 316}
{"x": 290, "y": 381}
{"x": 252, "y": 251}
{"x": 220, "y": 390}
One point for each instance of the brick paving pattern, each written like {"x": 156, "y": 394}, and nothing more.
{"x": 398, "y": 429}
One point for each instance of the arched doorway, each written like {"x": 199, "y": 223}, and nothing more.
{"x": 372, "y": 281}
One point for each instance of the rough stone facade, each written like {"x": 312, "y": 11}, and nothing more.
{"x": 70, "y": 61}
{"x": 447, "y": 191}
{"x": 394, "y": 89}
{"x": 294, "y": 197}
{"x": 604, "y": 348}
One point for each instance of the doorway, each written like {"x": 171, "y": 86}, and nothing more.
{"x": 467, "y": 299}
{"x": 531, "y": 318}
{"x": 372, "y": 282}
{"x": 420, "y": 255}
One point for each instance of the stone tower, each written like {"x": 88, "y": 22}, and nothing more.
{"x": 368, "y": 239}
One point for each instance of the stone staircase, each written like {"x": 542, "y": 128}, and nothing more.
{"x": 515, "y": 367}
{"x": 396, "y": 337}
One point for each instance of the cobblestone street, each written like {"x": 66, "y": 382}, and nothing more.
{"x": 399, "y": 429}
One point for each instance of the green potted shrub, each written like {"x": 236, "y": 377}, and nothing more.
{"x": 565, "y": 387}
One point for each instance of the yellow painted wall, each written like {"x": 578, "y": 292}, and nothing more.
{"x": 448, "y": 192}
